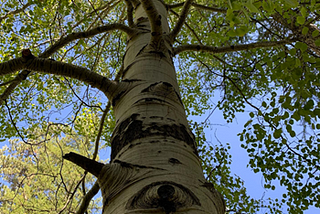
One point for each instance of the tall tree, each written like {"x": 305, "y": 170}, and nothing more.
{"x": 110, "y": 67}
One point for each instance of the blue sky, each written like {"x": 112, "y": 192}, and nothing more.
{"x": 227, "y": 133}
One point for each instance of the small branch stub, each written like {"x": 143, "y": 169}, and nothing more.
{"x": 87, "y": 164}
{"x": 26, "y": 54}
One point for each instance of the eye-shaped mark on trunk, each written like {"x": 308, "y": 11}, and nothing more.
{"x": 163, "y": 196}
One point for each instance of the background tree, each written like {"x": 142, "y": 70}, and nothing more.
{"x": 263, "y": 55}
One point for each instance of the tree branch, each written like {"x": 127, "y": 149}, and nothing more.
{"x": 87, "y": 34}
{"x": 213, "y": 9}
{"x": 200, "y": 6}
{"x": 32, "y": 63}
{"x": 61, "y": 43}
{"x": 96, "y": 146}
{"x": 134, "y": 3}
{"x": 95, "y": 11}
{"x": 85, "y": 163}
{"x": 95, "y": 188}
{"x": 14, "y": 83}
{"x": 155, "y": 22}
{"x": 15, "y": 11}
{"x": 232, "y": 48}
{"x": 87, "y": 198}
{"x": 183, "y": 15}
{"x": 129, "y": 12}
{"x": 188, "y": 26}
{"x": 297, "y": 30}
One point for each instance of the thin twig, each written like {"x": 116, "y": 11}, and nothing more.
{"x": 79, "y": 98}
{"x": 96, "y": 147}
{"x": 94, "y": 9}
{"x": 15, "y": 11}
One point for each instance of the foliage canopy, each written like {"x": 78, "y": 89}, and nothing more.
{"x": 262, "y": 56}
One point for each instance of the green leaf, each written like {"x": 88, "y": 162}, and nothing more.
{"x": 296, "y": 116}
{"x": 241, "y": 31}
{"x": 303, "y": 11}
{"x": 236, "y": 5}
{"x": 285, "y": 115}
{"x": 292, "y": 3}
{"x": 251, "y": 114}
{"x": 277, "y": 133}
{"x": 309, "y": 105}
{"x": 305, "y": 30}
{"x": 264, "y": 104}
{"x": 230, "y": 4}
{"x": 302, "y": 46}
{"x": 301, "y": 20}
{"x": 268, "y": 6}
{"x": 315, "y": 33}
{"x": 247, "y": 123}
{"x": 292, "y": 51}
{"x": 251, "y": 7}
{"x": 317, "y": 42}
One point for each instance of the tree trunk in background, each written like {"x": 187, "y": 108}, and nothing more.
{"x": 154, "y": 162}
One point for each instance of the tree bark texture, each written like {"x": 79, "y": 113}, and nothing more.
{"x": 154, "y": 165}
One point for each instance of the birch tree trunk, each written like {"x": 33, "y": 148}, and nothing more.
{"x": 154, "y": 166}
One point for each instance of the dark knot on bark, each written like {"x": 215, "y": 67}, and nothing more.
{"x": 26, "y": 55}
{"x": 166, "y": 193}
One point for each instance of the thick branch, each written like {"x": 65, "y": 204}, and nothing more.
{"x": 87, "y": 164}
{"x": 61, "y": 43}
{"x": 10, "y": 89}
{"x": 32, "y": 63}
{"x": 129, "y": 12}
{"x": 87, "y": 34}
{"x": 134, "y": 3}
{"x": 188, "y": 26}
{"x": 173, "y": 34}
{"x": 155, "y": 22}
{"x": 215, "y": 50}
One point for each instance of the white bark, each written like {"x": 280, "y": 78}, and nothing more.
{"x": 155, "y": 167}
